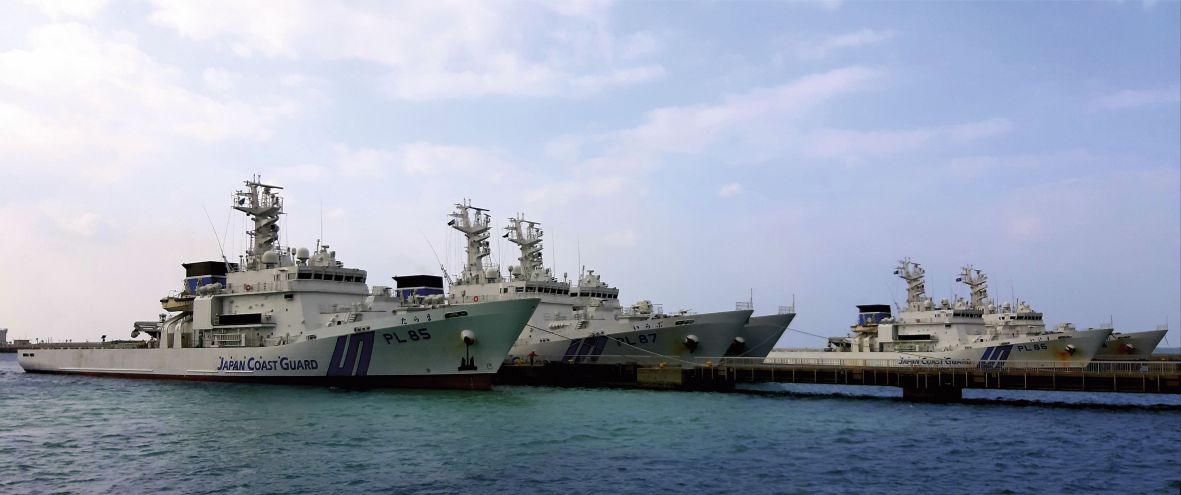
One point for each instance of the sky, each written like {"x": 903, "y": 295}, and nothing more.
{"x": 694, "y": 154}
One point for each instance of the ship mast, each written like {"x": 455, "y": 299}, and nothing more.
{"x": 263, "y": 205}
{"x": 977, "y": 281}
{"x": 527, "y": 236}
{"x": 916, "y": 291}
{"x": 474, "y": 223}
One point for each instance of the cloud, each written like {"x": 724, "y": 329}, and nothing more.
{"x": 847, "y": 144}
{"x": 435, "y": 49}
{"x": 731, "y": 189}
{"x": 218, "y": 79}
{"x": 57, "y": 9}
{"x": 362, "y": 162}
{"x": 97, "y": 106}
{"x": 1129, "y": 98}
{"x": 690, "y": 129}
{"x": 1024, "y": 226}
{"x": 621, "y": 238}
{"x": 412, "y": 159}
{"x": 823, "y": 48}
{"x": 297, "y": 173}
{"x": 564, "y": 191}
{"x": 981, "y": 165}
{"x": 431, "y": 158}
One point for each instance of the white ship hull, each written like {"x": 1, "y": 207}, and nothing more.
{"x": 654, "y": 340}
{"x": 760, "y": 335}
{"x": 422, "y": 349}
{"x": 1130, "y": 346}
{"x": 1043, "y": 350}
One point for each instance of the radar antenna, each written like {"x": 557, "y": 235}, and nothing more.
{"x": 527, "y": 235}
{"x": 977, "y": 281}
{"x": 916, "y": 291}
{"x": 474, "y": 223}
{"x": 264, "y": 206}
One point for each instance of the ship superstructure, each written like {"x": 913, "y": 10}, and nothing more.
{"x": 946, "y": 333}
{"x": 288, "y": 315}
{"x": 1022, "y": 319}
{"x": 582, "y": 322}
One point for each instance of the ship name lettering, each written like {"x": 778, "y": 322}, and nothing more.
{"x": 409, "y": 336}
{"x": 934, "y": 361}
{"x": 261, "y": 364}
{"x": 1041, "y": 346}
{"x": 643, "y": 338}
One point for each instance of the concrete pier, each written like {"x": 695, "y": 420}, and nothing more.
{"x": 917, "y": 383}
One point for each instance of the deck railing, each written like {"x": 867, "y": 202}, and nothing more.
{"x": 906, "y": 363}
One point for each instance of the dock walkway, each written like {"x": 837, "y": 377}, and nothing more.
{"x": 927, "y": 382}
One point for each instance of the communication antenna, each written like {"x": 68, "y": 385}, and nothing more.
{"x": 225, "y": 233}
{"x": 220, "y": 249}
{"x": 286, "y": 236}
{"x": 578, "y": 240}
{"x": 892, "y": 298}
{"x": 446, "y": 276}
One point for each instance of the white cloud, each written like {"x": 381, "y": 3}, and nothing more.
{"x": 415, "y": 159}
{"x": 731, "y": 189}
{"x": 980, "y": 165}
{"x": 640, "y": 44}
{"x": 1024, "y": 226}
{"x": 430, "y": 158}
{"x": 979, "y": 130}
{"x": 847, "y": 144}
{"x": 435, "y": 49}
{"x": 690, "y": 129}
{"x": 362, "y": 162}
{"x": 98, "y": 106}
{"x": 621, "y": 238}
{"x": 57, "y": 9}
{"x": 297, "y": 173}
{"x": 825, "y": 47}
{"x": 569, "y": 190}
{"x": 218, "y": 79}
{"x": 1138, "y": 98}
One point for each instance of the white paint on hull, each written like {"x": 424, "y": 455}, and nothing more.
{"x": 388, "y": 346}
{"x": 641, "y": 340}
{"x": 1049, "y": 349}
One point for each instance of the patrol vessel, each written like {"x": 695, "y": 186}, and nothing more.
{"x": 285, "y": 315}
{"x": 758, "y": 337}
{"x": 945, "y": 334}
{"x": 1023, "y": 319}
{"x": 582, "y": 322}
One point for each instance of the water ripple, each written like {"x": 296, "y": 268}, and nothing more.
{"x": 76, "y": 434}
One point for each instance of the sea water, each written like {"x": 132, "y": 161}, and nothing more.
{"x": 98, "y": 435}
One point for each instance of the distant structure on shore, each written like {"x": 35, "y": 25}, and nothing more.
{"x": 3, "y": 336}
